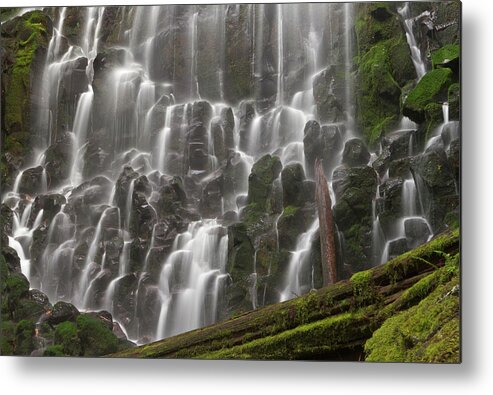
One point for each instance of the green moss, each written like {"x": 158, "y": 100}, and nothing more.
{"x": 96, "y": 339}
{"x": 311, "y": 339}
{"x": 363, "y": 290}
{"x": 445, "y": 55}
{"x": 18, "y": 95}
{"x": 427, "y": 332}
{"x": 66, "y": 337}
{"x": 24, "y": 338}
{"x": 289, "y": 211}
{"x": 432, "y": 88}
{"x": 54, "y": 351}
{"x": 7, "y": 335}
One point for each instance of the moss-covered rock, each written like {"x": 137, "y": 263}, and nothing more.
{"x": 384, "y": 68}
{"x": 263, "y": 174}
{"x": 354, "y": 189}
{"x": 96, "y": 339}
{"x": 24, "y": 333}
{"x": 447, "y": 56}
{"x": 66, "y": 336}
{"x": 24, "y": 40}
{"x": 432, "y": 88}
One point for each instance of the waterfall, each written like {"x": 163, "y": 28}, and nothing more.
{"x": 191, "y": 275}
{"x": 189, "y": 98}
{"x": 416, "y": 56}
{"x": 296, "y": 280}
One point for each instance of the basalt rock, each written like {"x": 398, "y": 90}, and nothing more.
{"x": 355, "y": 153}
{"x": 58, "y": 160}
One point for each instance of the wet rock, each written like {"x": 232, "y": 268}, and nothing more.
{"x": 417, "y": 231}
{"x": 400, "y": 144}
{"x": 11, "y": 258}
{"x": 436, "y": 181}
{"x": 51, "y": 204}
{"x": 391, "y": 204}
{"x": 401, "y": 168}
{"x": 246, "y": 115}
{"x": 122, "y": 188}
{"x": 355, "y": 189}
{"x": 96, "y": 155}
{"x": 201, "y": 112}
{"x": 381, "y": 164}
{"x": 263, "y": 174}
{"x": 124, "y": 299}
{"x": 143, "y": 216}
{"x": 104, "y": 316}
{"x": 329, "y": 106}
{"x": 58, "y": 160}
{"x": 291, "y": 224}
{"x": 454, "y": 158}
{"x": 397, "y": 247}
{"x": 6, "y": 222}
{"x": 239, "y": 266}
{"x": 355, "y": 153}
{"x": 323, "y": 143}
{"x": 63, "y": 311}
{"x": 293, "y": 191}
{"x": 211, "y": 202}
{"x": 31, "y": 181}
{"x": 172, "y": 196}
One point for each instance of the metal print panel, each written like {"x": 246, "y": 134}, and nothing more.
{"x": 243, "y": 181}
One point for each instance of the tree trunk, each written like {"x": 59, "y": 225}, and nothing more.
{"x": 326, "y": 221}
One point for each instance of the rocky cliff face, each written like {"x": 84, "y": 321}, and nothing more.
{"x": 158, "y": 160}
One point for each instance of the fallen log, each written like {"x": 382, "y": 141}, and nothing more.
{"x": 332, "y": 323}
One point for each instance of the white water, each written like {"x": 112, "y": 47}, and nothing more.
{"x": 192, "y": 274}
{"x": 296, "y": 283}
{"x": 416, "y": 55}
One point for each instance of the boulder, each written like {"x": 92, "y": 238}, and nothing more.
{"x": 58, "y": 159}
{"x": 323, "y": 143}
{"x": 293, "y": 191}
{"x": 433, "y": 87}
{"x": 329, "y": 108}
{"x": 355, "y": 153}
{"x": 31, "y": 181}
{"x": 417, "y": 231}
{"x": 61, "y": 312}
{"x": 263, "y": 174}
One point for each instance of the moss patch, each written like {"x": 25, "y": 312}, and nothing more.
{"x": 432, "y": 88}
{"x": 445, "y": 55}
{"x": 427, "y": 332}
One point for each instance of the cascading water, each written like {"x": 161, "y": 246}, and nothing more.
{"x": 416, "y": 56}
{"x": 159, "y": 171}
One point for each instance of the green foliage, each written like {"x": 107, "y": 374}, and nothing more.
{"x": 96, "y": 339}
{"x": 54, "y": 351}
{"x": 7, "y": 336}
{"x": 66, "y": 337}
{"x": 444, "y": 55}
{"x": 24, "y": 337}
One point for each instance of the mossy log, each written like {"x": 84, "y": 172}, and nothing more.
{"x": 332, "y": 323}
